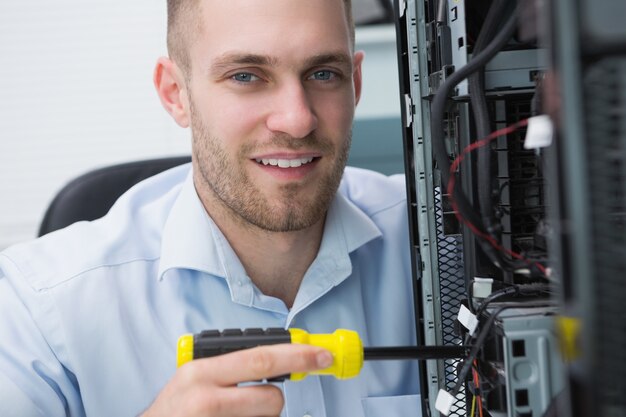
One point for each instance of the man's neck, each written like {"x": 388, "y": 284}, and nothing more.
{"x": 275, "y": 261}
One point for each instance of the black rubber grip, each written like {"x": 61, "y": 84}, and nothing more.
{"x": 213, "y": 342}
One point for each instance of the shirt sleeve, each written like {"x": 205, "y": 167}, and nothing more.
{"x": 33, "y": 382}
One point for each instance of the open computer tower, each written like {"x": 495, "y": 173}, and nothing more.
{"x": 514, "y": 116}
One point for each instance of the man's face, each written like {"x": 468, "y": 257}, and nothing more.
{"x": 272, "y": 90}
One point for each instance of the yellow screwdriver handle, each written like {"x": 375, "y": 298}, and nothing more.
{"x": 345, "y": 346}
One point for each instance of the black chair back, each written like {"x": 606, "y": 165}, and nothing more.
{"x": 91, "y": 195}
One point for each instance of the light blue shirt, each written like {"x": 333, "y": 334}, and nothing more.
{"x": 90, "y": 315}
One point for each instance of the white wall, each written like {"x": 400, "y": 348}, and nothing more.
{"x": 77, "y": 94}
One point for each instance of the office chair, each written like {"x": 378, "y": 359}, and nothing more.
{"x": 91, "y": 195}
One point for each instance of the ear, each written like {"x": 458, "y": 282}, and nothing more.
{"x": 357, "y": 76}
{"x": 169, "y": 82}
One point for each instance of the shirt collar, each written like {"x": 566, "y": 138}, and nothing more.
{"x": 188, "y": 241}
{"x": 347, "y": 228}
{"x": 191, "y": 240}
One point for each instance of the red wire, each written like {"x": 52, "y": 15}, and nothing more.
{"x": 452, "y": 182}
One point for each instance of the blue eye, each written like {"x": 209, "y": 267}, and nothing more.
{"x": 244, "y": 77}
{"x": 323, "y": 75}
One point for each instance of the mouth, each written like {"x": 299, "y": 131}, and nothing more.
{"x": 285, "y": 163}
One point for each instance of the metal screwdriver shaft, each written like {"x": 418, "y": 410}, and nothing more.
{"x": 414, "y": 352}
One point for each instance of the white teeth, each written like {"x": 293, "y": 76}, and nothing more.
{"x": 285, "y": 163}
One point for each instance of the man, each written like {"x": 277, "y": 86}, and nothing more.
{"x": 259, "y": 232}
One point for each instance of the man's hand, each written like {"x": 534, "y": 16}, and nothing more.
{"x": 208, "y": 387}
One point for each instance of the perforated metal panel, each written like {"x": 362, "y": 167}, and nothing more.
{"x": 452, "y": 292}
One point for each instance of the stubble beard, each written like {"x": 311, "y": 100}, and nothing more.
{"x": 229, "y": 183}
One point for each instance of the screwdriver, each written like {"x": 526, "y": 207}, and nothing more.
{"x": 345, "y": 345}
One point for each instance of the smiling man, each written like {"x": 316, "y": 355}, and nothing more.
{"x": 264, "y": 229}
{"x": 269, "y": 90}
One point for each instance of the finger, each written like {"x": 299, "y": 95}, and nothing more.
{"x": 261, "y": 363}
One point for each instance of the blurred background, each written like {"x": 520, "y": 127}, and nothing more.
{"x": 78, "y": 95}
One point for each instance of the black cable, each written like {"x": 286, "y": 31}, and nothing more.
{"x": 470, "y": 298}
{"x": 512, "y": 290}
{"x": 476, "y": 82}
{"x": 467, "y": 364}
{"x": 437, "y": 116}
{"x": 515, "y": 290}
{"x": 509, "y": 290}
{"x": 526, "y": 290}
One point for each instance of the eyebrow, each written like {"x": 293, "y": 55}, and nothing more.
{"x": 330, "y": 58}
{"x": 231, "y": 58}
{"x": 227, "y": 60}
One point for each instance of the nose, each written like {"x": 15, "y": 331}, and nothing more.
{"x": 292, "y": 112}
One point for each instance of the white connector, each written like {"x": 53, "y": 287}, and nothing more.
{"x": 482, "y": 287}
{"x": 467, "y": 319}
{"x": 539, "y": 133}
{"x": 444, "y": 402}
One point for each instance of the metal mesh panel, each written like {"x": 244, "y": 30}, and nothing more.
{"x": 452, "y": 291}
{"x": 605, "y": 131}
